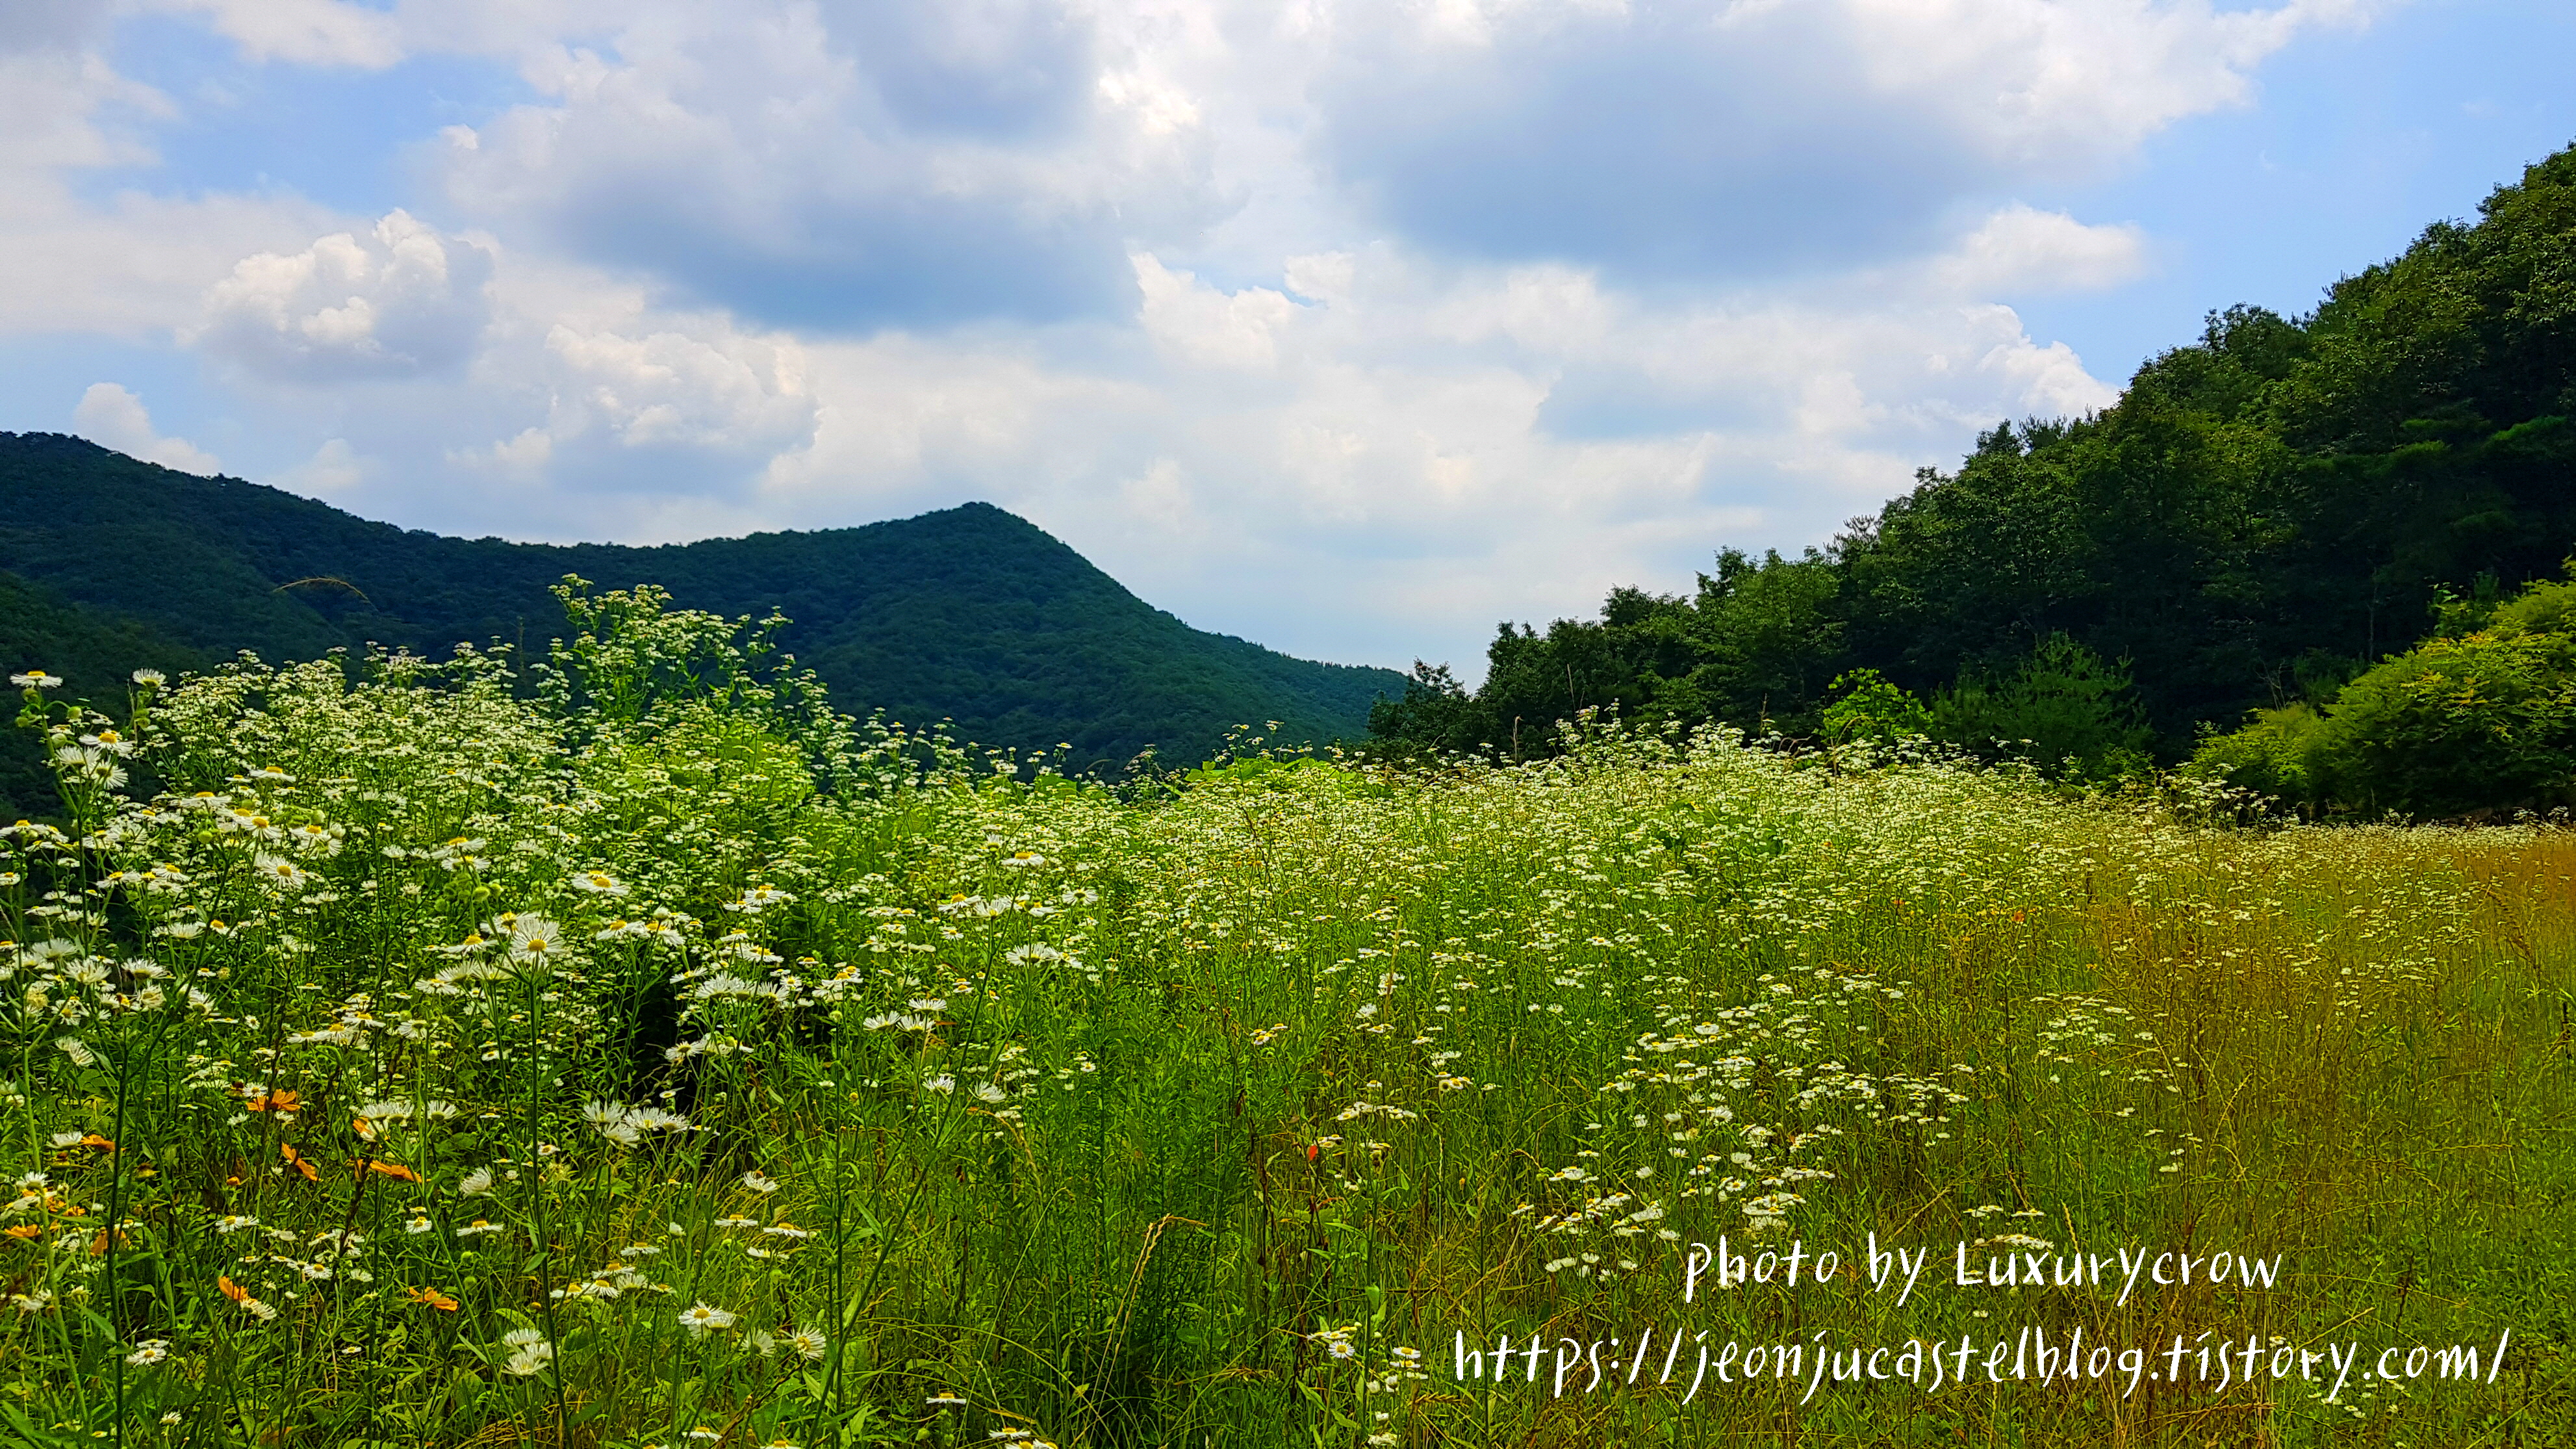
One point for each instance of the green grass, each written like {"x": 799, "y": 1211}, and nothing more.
{"x": 1191, "y": 1114}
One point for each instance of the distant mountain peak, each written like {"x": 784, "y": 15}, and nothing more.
{"x": 969, "y": 613}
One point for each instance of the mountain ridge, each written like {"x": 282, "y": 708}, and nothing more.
{"x": 969, "y": 614}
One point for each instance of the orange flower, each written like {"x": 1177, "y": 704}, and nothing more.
{"x": 283, "y": 1099}
{"x": 26, "y": 1230}
{"x": 94, "y": 1140}
{"x": 296, "y": 1159}
{"x": 363, "y": 1128}
{"x": 231, "y": 1289}
{"x": 431, "y": 1298}
{"x": 394, "y": 1170}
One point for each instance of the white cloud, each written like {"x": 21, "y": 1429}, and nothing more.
{"x": 2023, "y": 251}
{"x": 1431, "y": 449}
{"x": 397, "y": 301}
{"x": 1661, "y": 139}
{"x": 112, "y": 417}
{"x": 334, "y": 470}
{"x": 1200, "y": 324}
{"x": 307, "y": 32}
{"x": 668, "y": 387}
{"x": 2075, "y": 81}
{"x": 128, "y": 264}
{"x": 134, "y": 267}
{"x": 592, "y": 411}
{"x": 848, "y": 165}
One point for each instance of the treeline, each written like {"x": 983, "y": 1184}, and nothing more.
{"x": 2264, "y": 515}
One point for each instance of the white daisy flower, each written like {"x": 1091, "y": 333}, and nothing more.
{"x": 698, "y": 1318}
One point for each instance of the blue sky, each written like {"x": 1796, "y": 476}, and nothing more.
{"x": 1349, "y": 327}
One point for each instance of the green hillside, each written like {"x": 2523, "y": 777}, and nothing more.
{"x": 970, "y": 614}
{"x": 2264, "y": 514}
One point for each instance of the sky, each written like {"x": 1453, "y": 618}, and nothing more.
{"x": 1350, "y": 328}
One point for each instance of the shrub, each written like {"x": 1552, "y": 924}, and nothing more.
{"x": 2064, "y": 710}
{"x": 2478, "y": 719}
{"x": 2455, "y": 726}
{"x": 1868, "y": 707}
{"x": 2273, "y": 755}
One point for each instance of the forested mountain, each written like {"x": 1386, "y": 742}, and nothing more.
{"x": 970, "y": 614}
{"x": 2263, "y": 514}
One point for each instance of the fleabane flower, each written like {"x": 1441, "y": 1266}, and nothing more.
{"x": 278, "y": 871}
{"x": 698, "y": 1318}
{"x": 530, "y": 1352}
{"x": 626, "y": 1125}
{"x": 535, "y": 940}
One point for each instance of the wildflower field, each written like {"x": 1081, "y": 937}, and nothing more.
{"x": 619, "y": 1049}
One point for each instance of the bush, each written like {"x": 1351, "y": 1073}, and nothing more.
{"x": 2064, "y": 710}
{"x": 1868, "y": 707}
{"x": 2481, "y": 719}
{"x": 2274, "y": 755}
{"x": 2456, "y": 726}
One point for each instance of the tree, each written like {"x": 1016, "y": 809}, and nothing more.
{"x": 2063, "y": 709}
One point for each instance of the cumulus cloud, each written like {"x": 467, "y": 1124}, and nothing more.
{"x": 399, "y": 300}
{"x": 1666, "y": 138}
{"x": 621, "y": 410}
{"x": 1201, "y": 324}
{"x": 112, "y": 417}
{"x": 852, "y": 164}
{"x": 668, "y": 387}
{"x": 1420, "y": 448}
{"x": 128, "y": 263}
{"x": 2025, "y": 251}
{"x": 849, "y": 165}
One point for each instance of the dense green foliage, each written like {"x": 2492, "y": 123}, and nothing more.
{"x": 2263, "y": 515}
{"x": 635, "y": 1053}
{"x": 93, "y": 651}
{"x": 970, "y": 615}
{"x": 2480, "y": 718}
{"x": 2062, "y": 708}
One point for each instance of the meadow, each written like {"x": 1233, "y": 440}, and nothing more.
{"x": 619, "y": 1049}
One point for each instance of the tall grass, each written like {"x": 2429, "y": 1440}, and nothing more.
{"x": 630, "y": 1054}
